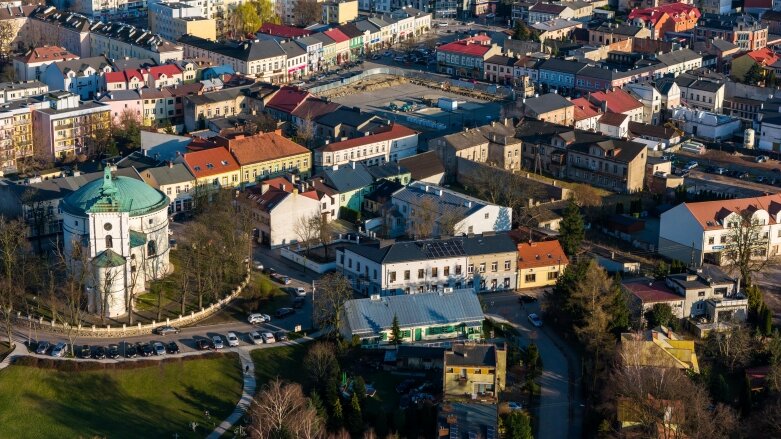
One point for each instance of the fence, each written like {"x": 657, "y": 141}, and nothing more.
{"x": 125, "y": 330}
{"x": 307, "y": 263}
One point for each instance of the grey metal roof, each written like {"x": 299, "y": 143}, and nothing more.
{"x": 448, "y": 202}
{"x": 423, "y": 165}
{"x": 245, "y": 51}
{"x": 548, "y": 102}
{"x": 348, "y": 178}
{"x": 563, "y": 66}
{"x": 386, "y": 170}
{"x": 678, "y": 56}
{"x": 177, "y": 173}
{"x": 366, "y": 25}
{"x": 367, "y": 316}
{"x": 292, "y": 49}
{"x": 471, "y": 355}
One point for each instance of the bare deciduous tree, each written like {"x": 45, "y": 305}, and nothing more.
{"x": 306, "y": 12}
{"x": 422, "y": 219}
{"x": 282, "y": 410}
{"x": 333, "y": 291}
{"x": 321, "y": 363}
{"x": 306, "y": 231}
{"x": 747, "y": 244}
{"x": 733, "y": 348}
{"x": 13, "y": 257}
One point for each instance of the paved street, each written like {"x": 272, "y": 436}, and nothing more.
{"x": 559, "y": 409}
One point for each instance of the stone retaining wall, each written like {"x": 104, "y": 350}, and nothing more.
{"x": 110, "y": 331}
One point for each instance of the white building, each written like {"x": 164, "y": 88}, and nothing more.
{"x": 705, "y": 124}
{"x": 681, "y": 60}
{"x": 651, "y": 99}
{"x": 280, "y": 211}
{"x": 84, "y": 77}
{"x": 700, "y": 232}
{"x": 263, "y": 59}
{"x": 483, "y": 262}
{"x": 770, "y": 132}
{"x": 119, "y": 227}
{"x": 391, "y": 145}
{"x": 462, "y": 213}
{"x": 31, "y": 65}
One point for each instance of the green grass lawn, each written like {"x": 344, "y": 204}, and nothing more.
{"x": 157, "y": 401}
{"x": 285, "y": 362}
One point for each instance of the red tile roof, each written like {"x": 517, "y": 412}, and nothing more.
{"x": 287, "y": 99}
{"x": 676, "y": 11}
{"x": 585, "y": 109}
{"x": 655, "y": 292}
{"x": 710, "y": 213}
{"x": 207, "y": 162}
{"x": 541, "y": 254}
{"x": 262, "y": 147}
{"x": 763, "y": 56}
{"x": 396, "y": 131}
{"x": 337, "y": 35}
{"x": 165, "y": 69}
{"x": 124, "y": 76}
{"x": 46, "y": 53}
{"x": 280, "y": 30}
{"x": 474, "y": 46}
{"x": 618, "y": 101}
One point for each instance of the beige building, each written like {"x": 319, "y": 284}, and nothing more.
{"x": 474, "y": 372}
{"x": 550, "y": 107}
{"x": 493, "y": 143}
{"x": 198, "y": 109}
{"x": 172, "y": 20}
{"x": 540, "y": 263}
{"x": 266, "y": 155}
{"x": 16, "y": 132}
{"x": 340, "y": 11}
{"x": 67, "y": 126}
{"x": 617, "y": 165}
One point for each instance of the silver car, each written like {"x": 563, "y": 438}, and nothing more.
{"x": 233, "y": 341}
{"x": 159, "y": 348}
{"x": 255, "y": 338}
{"x": 217, "y": 341}
{"x": 59, "y": 349}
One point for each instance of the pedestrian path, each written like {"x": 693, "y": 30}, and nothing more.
{"x": 248, "y": 367}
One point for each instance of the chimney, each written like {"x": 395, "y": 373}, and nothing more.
{"x": 352, "y": 164}
{"x": 264, "y": 188}
{"x": 282, "y": 186}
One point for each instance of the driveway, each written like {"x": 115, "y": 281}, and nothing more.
{"x": 559, "y": 411}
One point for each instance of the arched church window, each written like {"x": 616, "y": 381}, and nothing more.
{"x": 151, "y": 248}
{"x": 109, "y": 241}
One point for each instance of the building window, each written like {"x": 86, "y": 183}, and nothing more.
{"x": 553, "y": 275}
{"x": 392, "y": 276}
{"x": 711, "y": 240}
{"x": 458, "y": 270}
{"x": 470, "y": 269}
{"x": 482, "y": 268}
{"x": 531, "y": 277}
{"x": 406, "y": 274}
{"x": 446, "y": 271}
{"x": 421, "y": 273}
{"x": 151, "y": 248}
{"x": 494, "y": 266}
{"x": 434, "y": 272}
{"x": 506, "y": 265}
{"x": 109, "y": 241}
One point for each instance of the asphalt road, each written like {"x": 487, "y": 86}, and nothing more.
{"x": 559, "y": 408}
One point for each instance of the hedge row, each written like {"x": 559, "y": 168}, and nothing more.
{"x": 87, "y": 365}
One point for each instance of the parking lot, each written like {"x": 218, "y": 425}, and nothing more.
{"x": 738, "y": 178}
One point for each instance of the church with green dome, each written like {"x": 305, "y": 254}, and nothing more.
{"x": 116, "y": 228}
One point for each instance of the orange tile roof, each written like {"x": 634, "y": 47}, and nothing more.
{"x": 763, "y": 56}
{"x": 585, "y": 109}
{"x": 212, "y": 161}
{"x": 710, "y": 213}
{"x": 263, "y": 147}
{"x": 396, "y": 131}
{"x": 46, "y": 53}
{"x": 541, "y": 254}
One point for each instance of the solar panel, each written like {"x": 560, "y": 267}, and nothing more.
{"x": 454, "y": 431}
{"x": 441, "y": 249}
{"x": 490, "y": 432}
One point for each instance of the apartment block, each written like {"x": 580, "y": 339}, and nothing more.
{"x": 67, "y": 125}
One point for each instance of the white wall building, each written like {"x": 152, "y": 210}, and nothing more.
{"x": 391, "y": 145}
{"x": 770, "y": 132}
{"x": 119, "y": 226}
{"x": 700, "y": 232}
{"x": 705, "y": 124}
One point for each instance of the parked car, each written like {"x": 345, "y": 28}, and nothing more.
{"x": 172, "y": 348}
{"x": 280, "y": 335}
{"x": 99, "y": 353}
{"x": 535, "y": 320}
{"x": 165, "y": 330}
{"x": 257, "y": 319}
{"x": 85, "y": 351}
{"x": 284, "y": 312}
{"x": 59, "y": 349}
{"x": 113, "y": 351}
{"x": 258, "y": 265}
{"x": 299, "y": 302}
{"x": 691, "y": 165}
{"x": 284, "y": 280}
{"x": 203, "y": 344}
{"x": 42, "y": 347}
{"x": 721, "y": 171}
{"x": 268, "y": 337}
{"x": 159, "y": 348}
{"x": 762, "y": 159}
{"x": 255, "y": 338}
{"x": 515, "y": 405}
{"x": 146, "y": 350}
{"x": 130, "y": 351}
{"x": 398, "y": 58}
{"x": 387, "y": 53}
{"x": 375, "y": 57}
{"x": 232, "y": 339}
{"x": 217, "y": 341}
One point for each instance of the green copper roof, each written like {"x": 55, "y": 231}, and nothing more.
{"x": 137, "y": 239}
{"x": 108, "y": 258}
{"x": 115, "y": 194}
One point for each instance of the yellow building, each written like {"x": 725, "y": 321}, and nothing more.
{"x": 213, "y": 168}
{"x": 16, "y": 133}
{"x": 267, "y": 155}
{"x": 474, "y": 372}
{"x": 540, "y": 263}
{"x": 340, "y": 12}
{"x": 196, "y": 26}
{"x": 66, "y": 126}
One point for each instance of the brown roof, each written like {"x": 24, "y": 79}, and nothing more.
{"x": 423, "y": 165}
{"x": 652, "y": 292}
{"x": 262, "y": 147}
{"x": 710, "y": 213}
{"x": 613, "y": 119}
{"x": 46, "y": 53}
{"x": 540, "y": 254}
